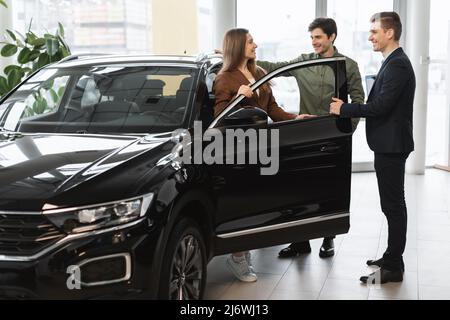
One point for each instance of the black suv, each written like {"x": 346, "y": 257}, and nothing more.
{"x": 96, "y": 203}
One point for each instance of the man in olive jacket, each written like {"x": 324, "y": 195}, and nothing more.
{"x": 316, "y": 85}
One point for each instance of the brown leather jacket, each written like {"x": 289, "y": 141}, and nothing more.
{"x": 226, "y": 87}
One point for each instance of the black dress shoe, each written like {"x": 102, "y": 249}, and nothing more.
{"x": 295, "y": 249}
{"x": 379, "y": 263}
{"x": 382, "y": 276}
{"x": 327, "y": 248}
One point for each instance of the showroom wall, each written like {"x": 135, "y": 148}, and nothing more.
{"x": 178, "y": 26}
{"x": 174, "y": 38}
{"x": 122, "y": 26}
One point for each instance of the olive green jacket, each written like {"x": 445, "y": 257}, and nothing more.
{"x": 316, "y": 83}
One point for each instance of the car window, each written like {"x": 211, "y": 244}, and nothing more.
{"x": 315, "y": 84}
{"x": 305, "y": 90}
{"x": 101, "y": 99}
{"x": 40, "y": 99}
{"x": 2, "y": 110}
{"x": 286, "y": 93}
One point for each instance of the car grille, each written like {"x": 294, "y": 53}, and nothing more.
{"x": 25, "y": 235}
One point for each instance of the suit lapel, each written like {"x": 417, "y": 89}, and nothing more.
{"x": 397, "y": 52}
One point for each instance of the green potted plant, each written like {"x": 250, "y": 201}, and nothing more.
{"x": 33, "y": 52}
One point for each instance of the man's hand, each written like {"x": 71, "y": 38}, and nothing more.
{"x": 305, "y": 116}
{"x": 246, "y": 91}
{"x": 335, "y": 106}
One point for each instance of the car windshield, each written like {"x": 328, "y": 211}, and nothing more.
{"x": 100, "y": 99}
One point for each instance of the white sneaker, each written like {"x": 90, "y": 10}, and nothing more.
{"x": 241, "y": 269}
{"x": 248, "y": 257}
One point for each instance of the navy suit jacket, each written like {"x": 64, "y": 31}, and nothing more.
{"x": 389, "y": 108}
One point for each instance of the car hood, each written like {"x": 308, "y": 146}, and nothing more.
{"x": 40, "y": 166}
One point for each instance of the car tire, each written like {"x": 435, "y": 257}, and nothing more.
{"x": 183, "y": 275}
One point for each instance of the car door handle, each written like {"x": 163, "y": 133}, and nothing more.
{"x": 329, "y": 148}
{"x": 287, "y": 212}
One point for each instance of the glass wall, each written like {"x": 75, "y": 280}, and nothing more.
{"x": 281, "y": 33}
{"x": 280, "y": 29}
{"x": 437, "y": 112}
{"x": 205, "y": 25}
{"x": 110, "y": 26}
{"x": 117, "y": 26}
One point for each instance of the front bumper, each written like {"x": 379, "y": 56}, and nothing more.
{"x": 116, "y": 263}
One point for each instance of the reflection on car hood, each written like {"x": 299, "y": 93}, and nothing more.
{"x": 38, "y": 166}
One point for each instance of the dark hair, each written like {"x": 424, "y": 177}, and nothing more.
{"x": 389, "y": 20}
{"x": 328, "y": 26}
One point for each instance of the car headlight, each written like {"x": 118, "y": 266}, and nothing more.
{"x": 76, "y": 220}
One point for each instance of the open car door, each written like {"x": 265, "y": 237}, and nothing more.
{"x": 308, "y": 197}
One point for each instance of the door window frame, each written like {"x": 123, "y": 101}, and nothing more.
{"x": 337, "y": 64}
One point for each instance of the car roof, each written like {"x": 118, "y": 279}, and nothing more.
{"x": 91, "y": 60}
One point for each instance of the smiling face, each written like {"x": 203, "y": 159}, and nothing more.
{"x": 250, "y": 47}
{"x": 322, "y": 44}
{"x": 379, "y": 37}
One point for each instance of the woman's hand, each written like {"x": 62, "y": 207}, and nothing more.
{"x": 305, "y": 116}
{"x": 246, "y": 91}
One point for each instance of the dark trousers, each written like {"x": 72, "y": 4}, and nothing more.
{"x": 390, "y": 170}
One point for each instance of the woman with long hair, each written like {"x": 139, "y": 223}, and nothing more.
{"x": 239, "y": 71}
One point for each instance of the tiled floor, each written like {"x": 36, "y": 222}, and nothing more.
{"x": 427, "y": 255}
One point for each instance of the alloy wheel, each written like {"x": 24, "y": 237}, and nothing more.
{"x": 187, "y": 270}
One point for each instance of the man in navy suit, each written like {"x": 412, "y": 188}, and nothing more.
{"x": 389, "y": 118}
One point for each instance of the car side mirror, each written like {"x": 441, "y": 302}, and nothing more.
{"x": 247, "y": 116}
